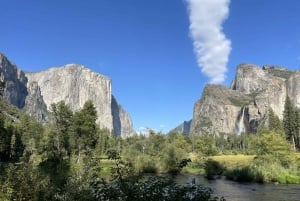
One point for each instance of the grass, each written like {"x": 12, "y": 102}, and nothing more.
{"x": 233, "y": 161}
{"x": 193, "y": 170}
{"x": 197, "y": 166}
{"x": 235, "y": 167}
{"x": 106, "y": 166}
{"x": 264, "y": 173}
{"x": 245, "y": 168}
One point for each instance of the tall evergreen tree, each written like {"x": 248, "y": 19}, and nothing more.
{"x": 289, "y": 121}
{"x": 5, "y": 138}
{"x": 62, "y": 117}
{"x": 274, "y": 122}
{"x": 31, "y": 134}
{"x": 84, "y": 129}
{"x": 297, "y": 135}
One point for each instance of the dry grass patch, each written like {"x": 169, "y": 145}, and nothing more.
{"x": 233, "y": 161}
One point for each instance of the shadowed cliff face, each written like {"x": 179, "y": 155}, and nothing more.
{"x": 34, "y": 103}
{"x": 15, "y": 90}
{"x": 122, "y": 123}
{"x": 244, "y": 106}
{"x": 183, "y": 128}
{"x": 72, "y": 83}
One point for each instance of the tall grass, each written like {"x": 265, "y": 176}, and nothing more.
{"x": 248, "y": 168}
{"x": 264, "y": 171}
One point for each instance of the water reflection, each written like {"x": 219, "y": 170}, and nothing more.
{"x": 234, "y": 191}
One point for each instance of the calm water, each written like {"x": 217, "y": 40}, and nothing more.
{"x": 234, "y": 191}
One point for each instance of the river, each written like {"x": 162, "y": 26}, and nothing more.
{"x": 234, "y": 191}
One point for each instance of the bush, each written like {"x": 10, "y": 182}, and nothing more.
{"x": 213, "y": 168}
{"x": 150, "y": 189}
{"x": 170, "y": 159}
{"x": 145, "y": 164}
{"x": 263, "y": 172}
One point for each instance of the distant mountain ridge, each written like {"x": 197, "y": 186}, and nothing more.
{"x": 183, "y": 128}
{"x": 72, "y": 83}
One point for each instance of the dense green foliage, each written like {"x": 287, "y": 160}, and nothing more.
{"x": 274, "y": 161}
{"x": 65, "y": 160}
{"x": 71, "y": 158}
{"x": 291, "y": 123}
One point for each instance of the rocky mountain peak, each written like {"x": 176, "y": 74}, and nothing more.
{"x": 73, "y": 83}
{"x": 244, "y": 106}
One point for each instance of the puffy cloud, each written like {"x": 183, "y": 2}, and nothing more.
{"x": 211, "y": 46}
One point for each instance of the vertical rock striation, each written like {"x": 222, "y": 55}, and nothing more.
{"x": 244, "y": 106}
{"x": 15, "y": 81}
{"x": 122, "y": 123}
{"x": 34, "y": 103}
{"x": 72, "y": 83}
{"x": 75, "y": 85}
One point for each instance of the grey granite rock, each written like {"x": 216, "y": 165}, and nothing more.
{"x": 244, "y": 106}
{"x": 72, "y": 83}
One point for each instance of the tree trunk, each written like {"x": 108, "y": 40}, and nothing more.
{"x": 293, "y": 142}
{"x": 78, "y": 156}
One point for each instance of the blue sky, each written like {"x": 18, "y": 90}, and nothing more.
{"x": 146, "y": 46}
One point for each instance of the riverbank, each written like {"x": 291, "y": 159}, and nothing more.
{"x": 244, "y": 191}
{"x": 246, "y": 168}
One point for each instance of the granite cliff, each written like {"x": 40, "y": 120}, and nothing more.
{"x": 15, "y": 90}
{"x": 72, "y": 83}
{"x": 122, "y": 123}
{"x": 183, "y": 128}
{"x": 244, "y": 106}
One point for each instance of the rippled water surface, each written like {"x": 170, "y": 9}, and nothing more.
{"x": 234, "y": 191}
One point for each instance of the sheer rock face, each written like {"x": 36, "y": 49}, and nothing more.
{"x": 293, "y": 88}
{"x": 34, "y": 103}
{"x": 122, "y": 123}
{"x": 184, "y": 128}
{"x": 244, "y": 106}
{"x": 75, "y": 85}
{"x": 72, "y": 83}
{"x": 15, "y": 81}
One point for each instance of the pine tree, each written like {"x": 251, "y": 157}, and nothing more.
{"x": 289, "y": 121}
{"x": 62, "y": 117}
{"x": 275, "y": 123}
{"x": 84, "y": 129}
{"x": 297, "y": 114}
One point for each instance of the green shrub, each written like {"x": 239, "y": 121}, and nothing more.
{"x": 170, "y": 158}
{"x": 213, "y": 168}
{"x": 145, "y": 164}
{"x": 264, "y": 172}
{"x": 244, "y": 174}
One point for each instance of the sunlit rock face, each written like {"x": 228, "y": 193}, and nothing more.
{"x": 293, "y": 88}
{"x": 217, "y": 111}
{"x": 75, "y": 85}
{"x": 34, "y": 103}
{"x": 244, "y": 106}
{"x": 72, "y": 83}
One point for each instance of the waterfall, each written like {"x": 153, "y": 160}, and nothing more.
{"x": 240, "y": 126}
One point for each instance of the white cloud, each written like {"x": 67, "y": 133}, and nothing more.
{"x": 211, "y": 46}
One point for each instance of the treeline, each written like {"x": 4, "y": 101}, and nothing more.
{"x": 65, "y": 160}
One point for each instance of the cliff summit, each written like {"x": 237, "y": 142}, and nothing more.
{"x": 73, "y": 83}
{"x": 245, "y": 105}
